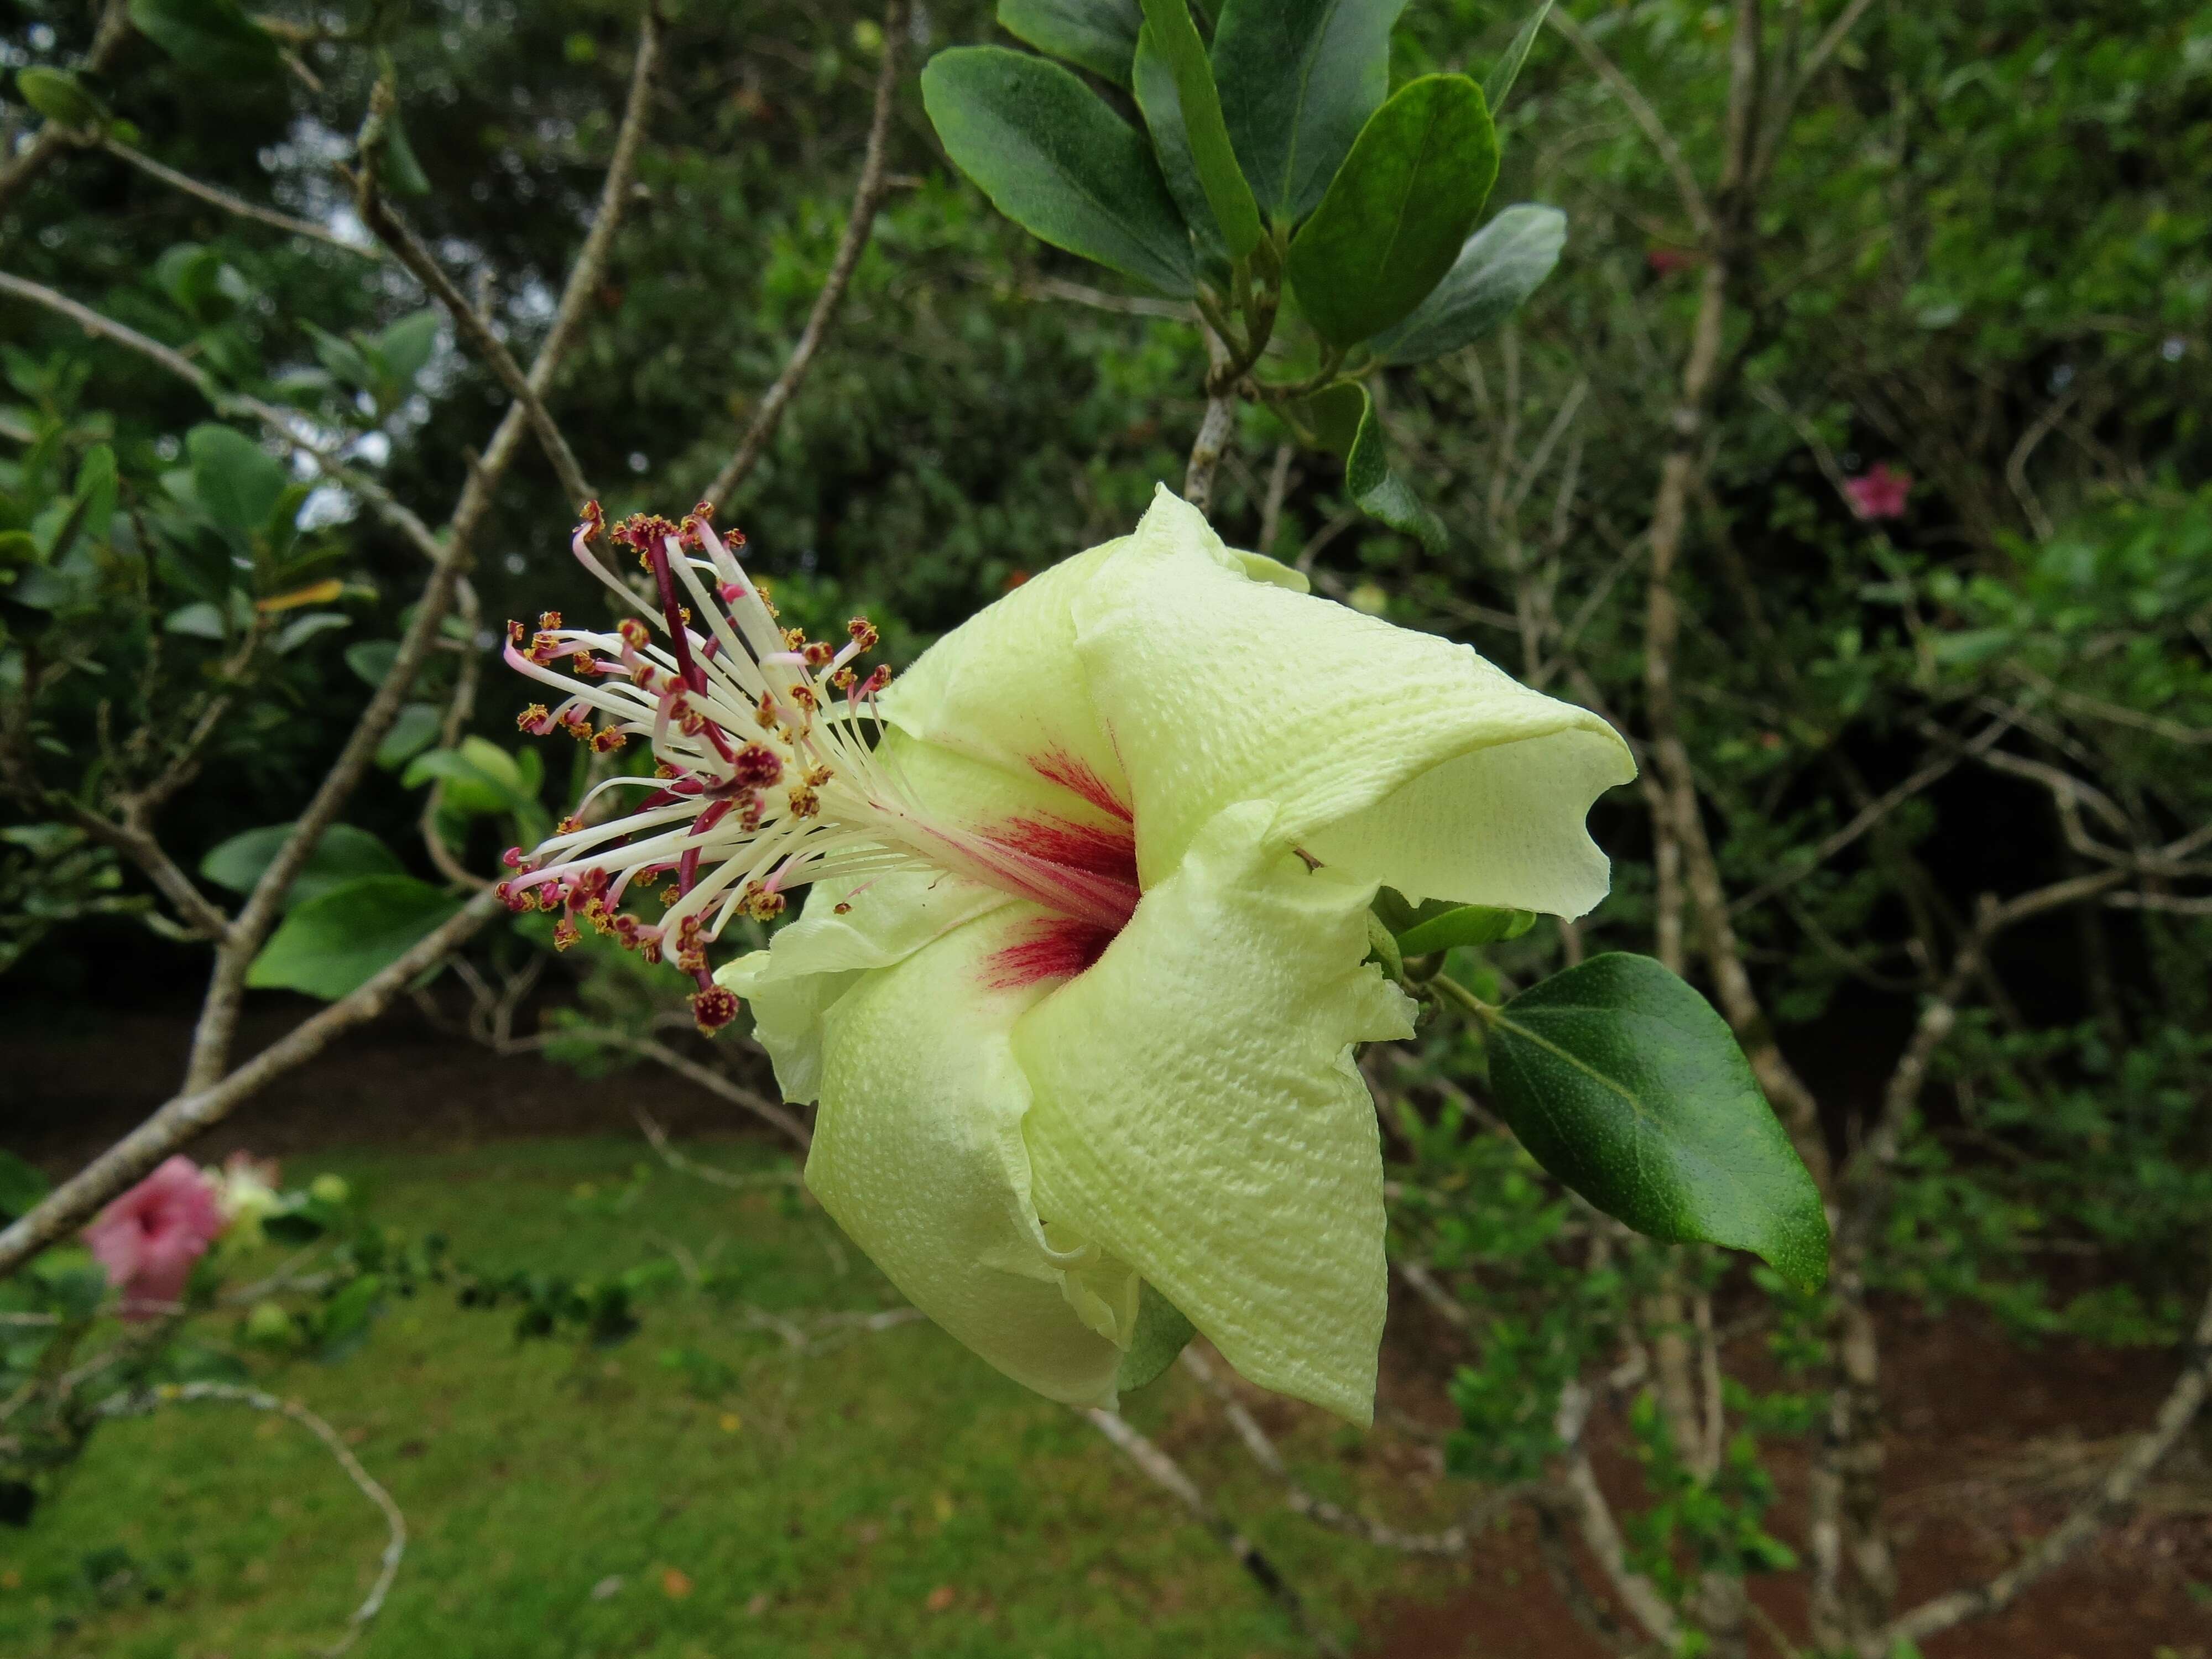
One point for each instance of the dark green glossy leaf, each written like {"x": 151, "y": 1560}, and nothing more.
{"x": 1169, "y": 32}
{"x": 1464, "y": 924}
{"x": 1161, "y": 105}
{"x": 1298, "y": 79}
{"x": 1162, "y": 1334}
{"x": 334, "y": 943}
{"x": 1099, "y": 36}
{"x": 1398, "y": 211}
{"x": 209, "y": 37}
{"x": 237, "y": 482}
{"x": 1057, "y": 162}
{"x": 1344, "y": 419}
{"x": 1622, "y": 1081}
{"x": 345, "y": 853}
{"x": 1500, "y": 266}
{"x": 1507, "y": 69}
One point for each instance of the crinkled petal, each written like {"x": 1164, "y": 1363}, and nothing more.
{"x": 1005, "y": 686}
{"x": 1396, "y": 754}
{"x": 815, "y": 961}
{"x": 1198, "y": 1113}
{"x": 918, "y": 1153}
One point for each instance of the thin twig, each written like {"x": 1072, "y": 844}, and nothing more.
{"x": 188, "y": 1114}
{"x": 138, "y": 1404}
{"x": 229, "y": 203}
{"x": 2114, "y": 1494}
{"x": 1165, "y": 1472}
{"x": 1454, "y": 1540}
{"x": 867, "y": 197}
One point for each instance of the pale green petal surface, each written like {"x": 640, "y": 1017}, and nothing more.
{"x": 918, "y": 1154}
{"x": 1006, "y": 686}
{"x": 814, "y": 960}
{"x": 1197, "y": 1114}
{"x": 1216, "y": 688}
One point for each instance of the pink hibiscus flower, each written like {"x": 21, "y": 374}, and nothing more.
{"x": 148, "y": 1238}
{"x": 1879, "y": 493}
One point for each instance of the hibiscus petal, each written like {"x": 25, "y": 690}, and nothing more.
{"x": 1396, "y": 754}
{"x": 1199, "y": 1114}
{"x": 816, "y": 960}
{"x": 1007, "y": 688}
{"x": 918, "y": 1153}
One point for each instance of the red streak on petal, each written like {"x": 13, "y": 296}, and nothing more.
{"x": 1063, "y": 769}
{"x": 1051, "y": 947}
{"x": 1077, "y": 846}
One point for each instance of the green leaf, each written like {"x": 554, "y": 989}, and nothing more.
{"x": 1162, "y": 1332}
{"x": 372, "y": 659}
{"x": 1465, "y": 924}
{"x": 209, "y": 37}
{"x": 481, "y": 779}
{"x": 1623, "y": 1082}
{"x": 1507, "y": 69}
{"x": 1099, "y": 36}
{"x": 236, "y": 481}
{"x": 398, "y": 167}
{"x": 407, "y": 345}
{"x": 1343, "y": 418}
{"x": 344, "y": 854}
{"x": 1397, "y": 211}
{"x": 1169, "y": 32}
{"x": 201, "y": 621}
{"x": 21, "y": 1186}
{"x": 414, "y": 730}
{"x": 1161, "y": 105}
{"x": 60, "y": 97}
{"x": 1500, "y": 266}
{"x": 1298, "y": 79}
{"x": 1057, "y": 162}
{"x": 334, "y": 943}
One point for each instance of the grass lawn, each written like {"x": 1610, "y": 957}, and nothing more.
{"x": 894, "y": 1496}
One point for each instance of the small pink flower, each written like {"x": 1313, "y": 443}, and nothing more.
{"x": 1666, "y": 261}
{"x": 148, "y": 1238}
{"x": 1880, "y": 492}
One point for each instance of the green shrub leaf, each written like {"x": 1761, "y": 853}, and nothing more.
{"x": 1054, "y": 159}
{"x": 1170, "y": 32}
{"x": 1343, "y": 417}
{"x": 1162, "y": 1332}
{"x": 209, "y": 37}
{"x": 1398, "y": 210}
{"x": 1464, "y": 924}
{"x": 1298, "y": 79}
{"x": 236, "y": 481}
{"x": 1099, "y": 36}
{"x": 334, "y": 943}
{"x": 344, "y": 854}
{"x": 60, "y": 97}
{"x": 1507, "y": 69}
{"x": 1499, "y": 267}
{"x": 1622, "y": 1081}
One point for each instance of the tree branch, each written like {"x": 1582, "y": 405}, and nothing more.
{"x": 237, "y": 205}
{"x": 187, "y": 1115}
{"x": 1164, "y": 1472}
{"x": 107, "y": 42}
{"x": 137, "y": 1405}
{"x": 2114, "y": 1494}
{"x": 867, "y": 197}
